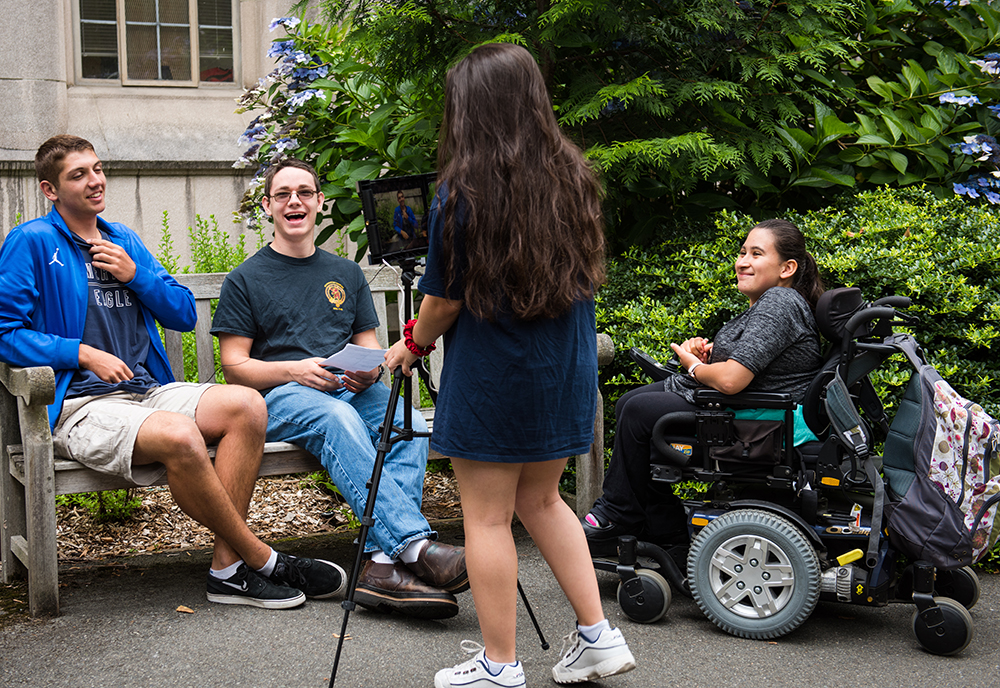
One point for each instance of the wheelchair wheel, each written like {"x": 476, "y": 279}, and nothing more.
{"x": 952, "y": 635}
{"x": 754, "y": 574}
{"x": 645, "y": 599}
{"x": 961, "y": 585}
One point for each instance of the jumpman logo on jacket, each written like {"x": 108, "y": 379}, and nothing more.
{"x": 55, "y": 258}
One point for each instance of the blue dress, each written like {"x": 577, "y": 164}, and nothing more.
{"x": 512, "y": 391}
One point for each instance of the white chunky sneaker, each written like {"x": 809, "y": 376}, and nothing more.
{"x": 585, "y": 660}
{"x": 474, "y": 674}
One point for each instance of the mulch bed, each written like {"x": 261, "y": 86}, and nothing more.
{"x": 282, "y": 507}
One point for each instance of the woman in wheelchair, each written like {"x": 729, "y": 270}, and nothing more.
{"x": 772, "y": 346}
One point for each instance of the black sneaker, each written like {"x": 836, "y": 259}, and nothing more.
{"x": 602, "y": 538}
{"x": 246, "y": 586}
{"x": 315, "y": 577}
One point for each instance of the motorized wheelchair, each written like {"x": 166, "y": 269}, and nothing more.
{"x": 779, "y": 530}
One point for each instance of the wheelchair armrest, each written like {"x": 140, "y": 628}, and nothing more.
{"x": 772, "y": 400}
{"x": 651, "y": 367}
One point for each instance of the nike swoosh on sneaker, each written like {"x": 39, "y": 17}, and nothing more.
{"x": 242, "y": 588}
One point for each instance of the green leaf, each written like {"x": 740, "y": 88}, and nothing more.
{"x": 880, "y": 177}
{"x": 833, "y": 176}
{"x": 851, "y": 154}
{"x": 873, "y": 140}
{"x": 880, "y": 87}
{"x": 898, "y": 161}
{"x": 914, "y": 70}
{"x": 349, "y": 206}
{"x": 322, "y": 160}
{"x": 810, "y": 181}
{"x": 648, "y": 187}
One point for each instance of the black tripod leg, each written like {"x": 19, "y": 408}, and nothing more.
{"x": 384, "y": 445}
{"x": 531, "y": 614}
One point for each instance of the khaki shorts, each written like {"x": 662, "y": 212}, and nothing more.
{"x": 100, "y": 431}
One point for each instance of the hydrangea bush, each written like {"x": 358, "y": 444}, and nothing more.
{"x": 983, "y": 148}
{"x": 321, "y": 104}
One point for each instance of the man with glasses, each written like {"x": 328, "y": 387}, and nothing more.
{"x": 83, "y": 296}
{"x": 280, "y": 314}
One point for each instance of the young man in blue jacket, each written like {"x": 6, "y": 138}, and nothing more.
{"x": 83, "y": 296}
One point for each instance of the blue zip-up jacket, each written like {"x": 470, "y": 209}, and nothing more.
{"x": 43, "y": 299}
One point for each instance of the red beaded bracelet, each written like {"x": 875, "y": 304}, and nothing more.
{"x": 412, "y": 345}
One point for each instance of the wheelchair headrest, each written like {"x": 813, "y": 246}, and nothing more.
{"x": 834, "y": 308}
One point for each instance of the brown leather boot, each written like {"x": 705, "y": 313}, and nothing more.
{"x": 393, "y": 587}
{"x": 442, "y": 566}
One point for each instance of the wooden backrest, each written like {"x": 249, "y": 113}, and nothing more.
{"x": 206, "y": 287}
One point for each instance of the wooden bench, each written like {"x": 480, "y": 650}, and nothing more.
{"x": 31, "y": 476}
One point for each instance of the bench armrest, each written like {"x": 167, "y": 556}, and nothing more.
{"x": 36, "y": 385}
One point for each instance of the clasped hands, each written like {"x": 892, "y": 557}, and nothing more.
{"x": 694, "y": 350}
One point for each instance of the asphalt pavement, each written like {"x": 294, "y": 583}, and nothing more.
{"x": 120, "y": 627}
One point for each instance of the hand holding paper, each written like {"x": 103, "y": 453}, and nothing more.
{"x": 355, "y": 358}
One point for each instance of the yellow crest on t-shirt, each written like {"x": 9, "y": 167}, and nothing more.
{"x": 335, "y": 294}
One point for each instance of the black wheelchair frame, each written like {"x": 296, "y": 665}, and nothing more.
{"x": 769, "y": 540}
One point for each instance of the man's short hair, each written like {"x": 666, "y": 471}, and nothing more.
{"x": 50, "y": 155}
{"x": 288, "y": 162}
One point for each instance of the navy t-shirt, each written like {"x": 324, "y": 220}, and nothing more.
{"x": 295, "y": 308}
{"x": 115, "y": 325}
{"x": 512, "y": 391}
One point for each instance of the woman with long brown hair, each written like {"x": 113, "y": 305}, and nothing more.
{"x": 516, "y": 251}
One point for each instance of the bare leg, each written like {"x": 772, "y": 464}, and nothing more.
{"x": 215, "y": 496}
{"x": 235, "y": 419}
{"x": 559, "y": 537}
{"x": 488, "y": 493}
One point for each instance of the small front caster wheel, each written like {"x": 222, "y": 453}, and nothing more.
{"x": 646, "y": 598}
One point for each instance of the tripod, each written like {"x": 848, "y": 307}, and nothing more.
{"x": 391, "y": 434}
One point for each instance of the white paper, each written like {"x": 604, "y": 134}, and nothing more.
{"x": 355, "y": 358}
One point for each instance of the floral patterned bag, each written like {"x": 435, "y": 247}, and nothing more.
{"x": 948, "y": 512}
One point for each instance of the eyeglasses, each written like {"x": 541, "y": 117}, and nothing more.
{"x": 285, "y": 196}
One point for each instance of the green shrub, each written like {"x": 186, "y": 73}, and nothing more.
{"x": 212, "y": 250}
{"x": 114, "y": 506}
{"x": 943, "y": 254}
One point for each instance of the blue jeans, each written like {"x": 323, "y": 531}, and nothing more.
{"x": 341, "y": 429}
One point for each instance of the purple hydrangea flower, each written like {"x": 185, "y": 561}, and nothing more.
{"x": 300, "y": 98}
{"x": 253, "y": 133}
{"x": 280, "y": 48}
{"x": 287, "y": 22}
{"x": 284, "y": 144}
{"x": 950, "y": 97}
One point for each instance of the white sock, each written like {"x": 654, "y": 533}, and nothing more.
{"x": 227, "y": 572}
{"x": 592, "y": 633}
{"x": 413, "y": 550}
{"x": 380, "y": 557}
{"x": 496, "y": 667}
{"x": 268, "y": 568}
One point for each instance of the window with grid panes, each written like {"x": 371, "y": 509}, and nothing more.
{"x": 165, "y": 42}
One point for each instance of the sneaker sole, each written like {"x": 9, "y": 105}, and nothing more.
{"x": 423, "y": 607}
{"x": 609, "y": 667}
{"x": 257, "y": 602}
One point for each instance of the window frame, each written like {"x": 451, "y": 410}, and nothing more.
{"x": 194, "y": 29}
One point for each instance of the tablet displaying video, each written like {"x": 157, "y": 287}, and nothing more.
{"x": 396, "y": 214}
